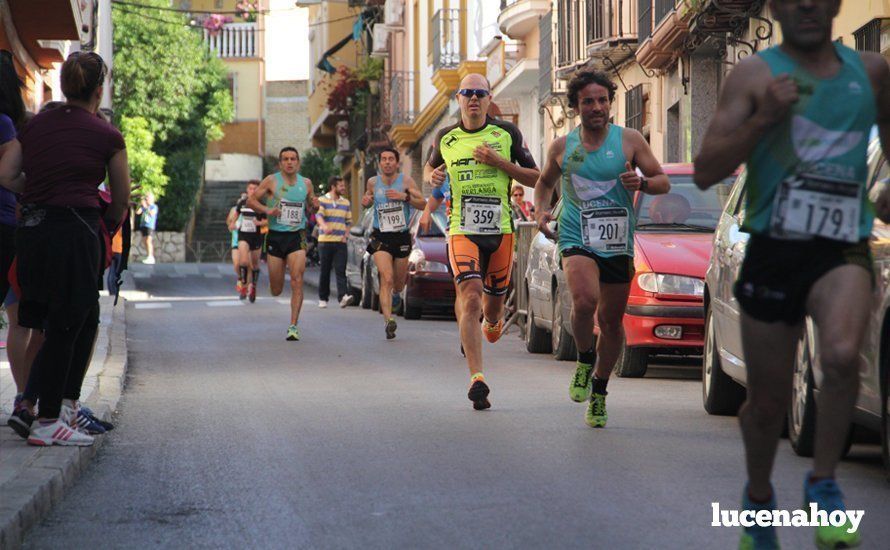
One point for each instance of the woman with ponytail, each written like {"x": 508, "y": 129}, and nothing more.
{"x": 57, "y": 163}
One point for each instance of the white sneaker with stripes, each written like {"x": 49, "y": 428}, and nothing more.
{"x": 57, "y": 433}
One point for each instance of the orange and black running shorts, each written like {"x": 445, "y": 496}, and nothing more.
{"x": 486, "y": 257}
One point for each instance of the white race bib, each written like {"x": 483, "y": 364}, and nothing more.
{"x": 604, "y": 229}
{"x": 248, "y": 224}
{"x": 481, "y": 215}
{"x": 809, "y": 206}
{"x": 391, "y": 216}
{"x": 291, "y": 213}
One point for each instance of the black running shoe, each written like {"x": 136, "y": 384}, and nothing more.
{"x": 20, "y": 421}
{"x": 478, "y": 394}
{"x": 391, "y": 329}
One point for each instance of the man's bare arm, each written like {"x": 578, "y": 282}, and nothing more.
{"x": 256, "y": 200}
{"x": 657, "y": 181}
{"x": 549, "y": 176}
{"x": 415, "y": 198}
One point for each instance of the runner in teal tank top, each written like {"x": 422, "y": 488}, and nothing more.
{"x": 594, "y": 165}
{"x": 286, "y": 198}
{"x": 800, "y": 116}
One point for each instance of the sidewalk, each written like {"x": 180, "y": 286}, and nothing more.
{"x": 34, "y": 479}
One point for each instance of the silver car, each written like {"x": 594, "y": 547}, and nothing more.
{"x": 724, "y": 377}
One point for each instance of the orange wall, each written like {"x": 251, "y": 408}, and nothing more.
{"x": 241, "y": 137}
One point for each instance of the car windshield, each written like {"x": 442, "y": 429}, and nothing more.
{"x": 685, "y": 207}
{"x": 437, "y": 228}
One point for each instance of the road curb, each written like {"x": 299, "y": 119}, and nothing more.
{"x": 48, "y": 473}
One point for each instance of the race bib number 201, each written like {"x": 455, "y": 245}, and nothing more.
{"x": 291, "y": 213}
{"x": 481, "y": 215}
{"x": 814, "y": 206}
{"x": 604, "y": 229}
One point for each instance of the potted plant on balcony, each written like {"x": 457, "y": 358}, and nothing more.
{"x": 343, "y": 93}
{"x": 214, "y": 23}
{"x": 371, "y": 71}
{"x": 247, "y": 10}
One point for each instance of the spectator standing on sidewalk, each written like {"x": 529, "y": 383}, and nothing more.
{"x": 333, "y": 217}
{"x": 66, "y": 153}
{"x": 148, "y": 211}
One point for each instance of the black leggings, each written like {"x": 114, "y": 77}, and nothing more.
{"x": 62, "y": 362}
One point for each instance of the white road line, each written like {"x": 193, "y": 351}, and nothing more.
{"x": 213, "y": 275}
{"x": 153, "y": 305}
{"x": 137, "y": 275}
{"x": 225, "y": 303}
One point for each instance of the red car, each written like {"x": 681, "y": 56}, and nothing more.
{"x": 429, "y": 285}
{"x": 673, "y": 242}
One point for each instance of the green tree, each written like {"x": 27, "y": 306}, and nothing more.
{"x": 165, "y": 75}
{"x": 318, "y": 165}
{"x": 146, "y": 166}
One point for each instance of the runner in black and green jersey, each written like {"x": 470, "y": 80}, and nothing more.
{"x": 799, "y": 115}
{"x": 481, "y": 156}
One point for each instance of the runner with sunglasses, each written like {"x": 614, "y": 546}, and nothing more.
{"x": 481, "y": 156}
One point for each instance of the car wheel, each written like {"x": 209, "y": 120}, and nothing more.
{"x": 409, "y": 308}
{"x": 633, "y": 362}
{"x": 802, "y": 410}
{"x": 562, "y": 343}
{"x": 367, "y": 288}
{"x": 536, "y": 339}
{"x": 721, "y": 395}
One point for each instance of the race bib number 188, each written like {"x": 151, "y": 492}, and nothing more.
{"x": 291, "y": 213}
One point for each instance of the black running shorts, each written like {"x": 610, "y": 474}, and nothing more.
{"x": 282, "y": 244}
{"x": 398, "y": 245}
{"x": 613, "y": 269}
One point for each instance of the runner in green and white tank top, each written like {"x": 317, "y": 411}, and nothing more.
{"x": 799, "y": 115}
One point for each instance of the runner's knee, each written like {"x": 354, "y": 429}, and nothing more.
{"x": 840, "y": 364}
{"x": 296, "y": 282}
{"x": 584, "y": 305}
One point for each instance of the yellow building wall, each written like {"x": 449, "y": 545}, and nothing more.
{"x": 326, "y": 36}
{"x": 856, "y": 13}
{"x": 249, "y": 87}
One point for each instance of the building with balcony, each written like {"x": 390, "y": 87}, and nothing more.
{"x": 40, "y": 35}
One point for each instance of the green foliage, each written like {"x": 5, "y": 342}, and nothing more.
{"x": 371, "y": 69}
{"x": 165, "y": 76}
{"x": 318, "y": 165}
{"x": 146, "y": 166}
{"x": 175, "y": 207}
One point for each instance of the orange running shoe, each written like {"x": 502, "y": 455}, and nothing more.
{"x": 492, "y": 332}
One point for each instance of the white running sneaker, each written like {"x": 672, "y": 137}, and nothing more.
{"x": 322, "y": 304}
{"x": 57, "y": 433}
{"x": 346, "y": 300}
{"x": 149, "y": 260}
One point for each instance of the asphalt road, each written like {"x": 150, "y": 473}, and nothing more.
{"x": 229, "y": 436}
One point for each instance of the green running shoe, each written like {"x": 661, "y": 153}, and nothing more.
{"x": 293, "y": 333}
{"x": 596, "y": 411}
{"x": 826, "y": 494}
{"x": 757, "y": 537}
{"x": 579, "y": 391}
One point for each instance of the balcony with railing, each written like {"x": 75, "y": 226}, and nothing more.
{"x": 400, "y": 99}
{"x": 446, "y": 39}
{"x": 234, "y": 40}
{"x": 611, "y": 31}
{"x": 663, "y": 26}
{"x": 869, "y": 37}
{"x": 519, "y": 17}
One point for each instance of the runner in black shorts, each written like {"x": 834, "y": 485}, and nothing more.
{"x": 391, "y": 194}
{"x": 250, "y": 241}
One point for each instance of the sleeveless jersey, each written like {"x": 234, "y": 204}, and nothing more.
{"x": 390, "y": 216}
{"x": 292, "y": 202}
{"x": 597, "y": 211}
{"x": 807, "y": 176}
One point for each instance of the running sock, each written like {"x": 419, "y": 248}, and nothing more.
{"x": 587, "y": 357}
{"x": 478, "y": 377}
{"x": 599, "y": 386}
{"x": 242, "y": 274}
{"x": 256, "y": 276}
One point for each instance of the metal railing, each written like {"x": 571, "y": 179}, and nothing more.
{"x": 446, "y": 39}
{"x": 517, "y": 300}
{"x": 597, "y": 27}
{"x": 868, "y": 37}
{"x": 645, "y": 19}
{"x": 545, "y": 57}
{"x": 233, "y": 40}
{"x": 401, "y": 98}
{"x": 662, "y": 9}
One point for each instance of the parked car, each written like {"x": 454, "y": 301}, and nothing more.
{"x": 724, "y": 366}
{"x": 672, "y": 245}
{"x": 356, "y": 259}
{"x": 429, "y": 285}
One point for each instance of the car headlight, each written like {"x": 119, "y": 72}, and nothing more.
{"x": 660, "y": 283}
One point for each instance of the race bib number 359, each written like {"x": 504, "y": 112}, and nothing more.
{"x": 480, "y": 215}
{"x": 814, "y": 206}
{"x": 604, "y": 229}
{"x": 291, "y": 213}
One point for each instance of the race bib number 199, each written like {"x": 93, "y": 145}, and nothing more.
{"x": 815, "y": 206}
{"x": 392, "y": 217}
{"x": 604, "y": 229}
{"x": 291, "y": 213}
{"x": 480, "y": 215}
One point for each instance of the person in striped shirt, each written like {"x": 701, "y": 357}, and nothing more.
{"x": 333, "y": 217}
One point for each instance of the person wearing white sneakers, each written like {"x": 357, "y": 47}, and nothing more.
{"x": 149, "y": 221}
{"x": 66, "y": 153}
{"x": 334, "y": 218}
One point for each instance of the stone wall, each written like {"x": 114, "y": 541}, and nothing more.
{"x": 169, "y": 247}
{"x": 287, "y": 116}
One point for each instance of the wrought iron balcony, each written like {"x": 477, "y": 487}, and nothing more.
{"x": 611, "y": 31}
{"x": 400, "y": 99}
{"x": 868, "y": 37}
{"x": 446, "y": 39}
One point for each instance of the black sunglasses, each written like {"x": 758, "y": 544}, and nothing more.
{"x": 470, "y": 92}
